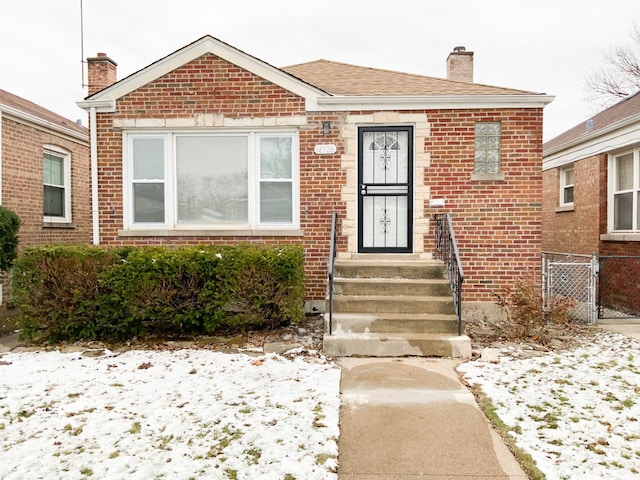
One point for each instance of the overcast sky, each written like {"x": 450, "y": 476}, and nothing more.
{"x": 546, "y": 46}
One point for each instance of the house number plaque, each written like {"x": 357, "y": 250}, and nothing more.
{"x": 325, "y": 149}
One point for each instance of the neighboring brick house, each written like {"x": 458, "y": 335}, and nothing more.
{"x": 591, "y": 184}
{"x": 592, "y": 190}
{"x": 44, "y": 173}
{"x": 212, "y": 145}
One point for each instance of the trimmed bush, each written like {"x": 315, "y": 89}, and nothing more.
{"x": 71, "y": 292}
{"x": 60, "y": 291}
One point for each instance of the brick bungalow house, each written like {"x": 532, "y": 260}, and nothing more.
{"x": 591, "y": 205}
{"x": 212, "y": 145}
{"x": 44, "y": 173}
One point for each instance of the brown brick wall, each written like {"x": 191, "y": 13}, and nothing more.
{"x": 497, "y": 223}
{"x": 578, "y": 230}
{"x": 22, "y": 183}
{"x": 213, "y": 86}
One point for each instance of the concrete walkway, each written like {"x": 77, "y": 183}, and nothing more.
{"x": 627, "y": 326}
{"x": 411, "y": 418}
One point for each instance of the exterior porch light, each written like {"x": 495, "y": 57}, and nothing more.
{"x": 326, "y": 127}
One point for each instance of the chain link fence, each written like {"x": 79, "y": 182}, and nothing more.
{"x": 619, "y": 287}
{"x": 603, "y": 287}
{"x": 571, "y": 276}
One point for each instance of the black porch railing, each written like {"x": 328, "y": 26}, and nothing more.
{"x": 330, "y": 265}
{"x": 447, "y": 251}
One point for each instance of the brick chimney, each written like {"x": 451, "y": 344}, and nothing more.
{"x": 460, "y": 65}
{"x": 101, "y": 71}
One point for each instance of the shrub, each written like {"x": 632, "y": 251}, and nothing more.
{"x": 523, "y": 312}
{"x": 163, "y": 291}
{"x": 58, "y": 290}
{"x": 9, "y": 226}
{"x": 75, "y": 292}
{"x": 261, "y": 286}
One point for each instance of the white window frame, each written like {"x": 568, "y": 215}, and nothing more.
{"x": 613, "y": 174}
{"x": 564, "y": 185}
{"x": 170, "y": 168}
{"x": 66, "y": 159}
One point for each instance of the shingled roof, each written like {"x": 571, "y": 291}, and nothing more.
{"x": 345, "y": 79}
{"x": 46, "y": 116}
{"x": 624, "y": 109}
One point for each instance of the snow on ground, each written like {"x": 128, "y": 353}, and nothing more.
{"x": 577, "y": 413}
{"x": 183, "y": 414}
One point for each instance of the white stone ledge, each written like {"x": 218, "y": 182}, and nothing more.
{"x": 620, "y": 237}
{"x": 209, "y": 233}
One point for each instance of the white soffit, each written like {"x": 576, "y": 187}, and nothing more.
{"x": 616, "y": 137}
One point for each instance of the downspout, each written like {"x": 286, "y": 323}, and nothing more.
{"x": 95, "y": 212}
{"x": 1, "y": 275}
{"x": 0, "y": 158}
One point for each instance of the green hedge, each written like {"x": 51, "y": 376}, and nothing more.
{"x": 67, "y": 293}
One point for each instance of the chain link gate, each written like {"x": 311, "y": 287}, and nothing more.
{"x": 571, "y": 276}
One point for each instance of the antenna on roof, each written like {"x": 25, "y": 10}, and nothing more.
{"x": 82, "y": 61}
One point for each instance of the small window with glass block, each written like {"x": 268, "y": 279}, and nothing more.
{"x": 57, "y": 186}
{"x": 566, "y": 186}
{"x": 487, "y": 147}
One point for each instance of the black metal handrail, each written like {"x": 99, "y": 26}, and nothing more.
{"x": 447, "y": 251}
{"x": 331, "y": 264}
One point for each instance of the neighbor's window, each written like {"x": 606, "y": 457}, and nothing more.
{"x": 625, "y": 191}
{"x": 566, "y": 186}
{"x": 57, "y": 185}
{"x": 487, "y": 147}
{"x": 227, "y": 180}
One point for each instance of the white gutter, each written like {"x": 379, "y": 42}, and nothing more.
{"x": 39, "y": 122}
{"x": 428, "y": 102}
{"x": 620, "y": 124}
{"x": 94, "y": 176}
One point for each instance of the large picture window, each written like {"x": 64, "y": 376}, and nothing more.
{"x": 215, "y": 181}
{"x": 57, "y": 185}
{"x": 624, "y": 188}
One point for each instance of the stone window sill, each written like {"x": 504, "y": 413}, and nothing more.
{"x": 620, "y": 237}
{"x": 67, "y": 226}
{"x": 209, "y": 233}
{"x": 565, "y": 208}
{"x": 487, "y": 177}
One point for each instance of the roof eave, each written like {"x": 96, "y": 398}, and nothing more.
{"x": 106, "y": 106}
{"x": 594, "y": 134}
{"x": 607, "y": 139}
{"x": 206, "y": 44}
{"x": 429, "y": 102}
{"x": 43, "y": 123}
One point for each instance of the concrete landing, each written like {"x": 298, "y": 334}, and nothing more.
{"x": 412, "y": 418}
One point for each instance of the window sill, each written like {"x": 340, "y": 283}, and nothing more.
{"x": 620, "y": 237}
{"x": 58, "y": 225}
{"x": 565, "y": 208}
{"x": 487, "y": 177}
{"x": 210, "y": 233}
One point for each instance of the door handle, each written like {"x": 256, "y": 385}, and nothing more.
{"x": 363, "y": 189}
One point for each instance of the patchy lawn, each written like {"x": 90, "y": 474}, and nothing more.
{"x": 182, "y": 414}
{"x": 576, "y": 412}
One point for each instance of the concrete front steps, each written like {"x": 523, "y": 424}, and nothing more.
{"x": 392, "y": 306}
